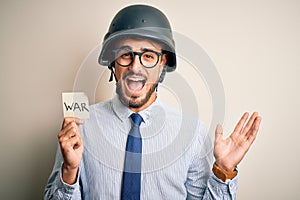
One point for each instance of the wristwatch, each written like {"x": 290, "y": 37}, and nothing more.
{"x": 223, "y": 174}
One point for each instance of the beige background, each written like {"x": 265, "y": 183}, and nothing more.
{"x": 255, "y": 46}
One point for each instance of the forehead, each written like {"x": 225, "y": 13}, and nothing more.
{"x": 139, "y": 44}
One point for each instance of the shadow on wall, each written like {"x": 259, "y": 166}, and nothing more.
{"x": 44, "y": 154}
{"x": 29, "y": 167}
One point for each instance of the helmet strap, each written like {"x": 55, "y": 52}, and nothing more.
{"x": 161, "y": 77}
{"x": 112, "y": 73}
{"x": 163, "y": 73}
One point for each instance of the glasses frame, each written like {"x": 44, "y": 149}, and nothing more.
{"x": 134, "y": 53}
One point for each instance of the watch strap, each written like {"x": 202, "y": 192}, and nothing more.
{"x": 223, "y": 174}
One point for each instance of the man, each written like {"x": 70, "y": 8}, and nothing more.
{"x": 136, "y": 147}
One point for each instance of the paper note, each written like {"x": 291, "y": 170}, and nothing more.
{"x": 75, "y": 104}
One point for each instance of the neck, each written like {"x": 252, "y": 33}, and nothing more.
{"x": 146, "y": 105}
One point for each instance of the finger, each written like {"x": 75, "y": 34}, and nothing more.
{"x": 74, "y": 143}
{"x": 68, "y": 120}
{"x": 78, "y": 143}
{"x": 70, "y": 134}
{"x": 241, "y": 123}
{"x": 250, "y": 123}
{"x": 219, "y": 132}
{"x": 69, "y": 131}
{"x": 251, "y": 135}
{"x": 67, "y": 128}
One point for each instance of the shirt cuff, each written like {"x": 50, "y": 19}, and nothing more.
{"x": 229, "y": 186}
{"x": 66, "y": 188}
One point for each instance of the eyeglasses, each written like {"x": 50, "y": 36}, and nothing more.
{"x": 125, "y": 56}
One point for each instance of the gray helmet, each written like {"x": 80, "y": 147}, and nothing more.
{"x": 139, "y": 21}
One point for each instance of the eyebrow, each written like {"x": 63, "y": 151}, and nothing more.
{"x": 146, "y": 49}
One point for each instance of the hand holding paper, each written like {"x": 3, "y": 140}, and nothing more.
{"x": 71, "y": 148}
{"x": 75, "y": 106}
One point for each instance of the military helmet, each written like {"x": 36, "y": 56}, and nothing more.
{"x": 141, "y": 21}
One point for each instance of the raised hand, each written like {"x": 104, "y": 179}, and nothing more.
{"x": 230, "y": 151}
{"x": 71, "y": 148}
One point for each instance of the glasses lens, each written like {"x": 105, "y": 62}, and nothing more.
{"x": 149, "y": 59}
{"x": 124, "y": 57}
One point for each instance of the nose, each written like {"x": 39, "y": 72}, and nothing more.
{"x": 136, "y": 65}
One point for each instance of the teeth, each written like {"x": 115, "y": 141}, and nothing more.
{"x": 136, "y": 79}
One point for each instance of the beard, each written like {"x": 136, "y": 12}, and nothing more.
{"x": 134, "y": 101}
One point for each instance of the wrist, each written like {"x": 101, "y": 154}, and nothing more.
{"x": 69, "y": 174}
{"x": 222, "y": 173}
{"x": 227, "y": 168}
{"x": 69, "y": 168}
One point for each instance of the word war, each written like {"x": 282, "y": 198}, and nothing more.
{"x": 75, "y": 104}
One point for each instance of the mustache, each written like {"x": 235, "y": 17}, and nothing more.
{"x": 131, "y": 73}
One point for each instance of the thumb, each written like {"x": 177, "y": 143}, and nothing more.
{"x": 219, "y": 132}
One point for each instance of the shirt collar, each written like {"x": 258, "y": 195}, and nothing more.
{"x": 123, "y": 112}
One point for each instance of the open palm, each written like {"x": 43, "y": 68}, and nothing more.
{"x": 230, "y": 151}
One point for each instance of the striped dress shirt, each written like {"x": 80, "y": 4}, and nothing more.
{"x": 176, "y": 163}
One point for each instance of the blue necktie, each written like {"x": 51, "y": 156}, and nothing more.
{"x": 131, "y": 186}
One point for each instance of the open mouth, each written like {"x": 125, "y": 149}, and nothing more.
{"x": 135, "y": 84}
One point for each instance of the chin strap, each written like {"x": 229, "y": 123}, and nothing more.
{"x": 112, "y": 73}
{"x": 163, "y": 73}
{"x": 161, "y": 77}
